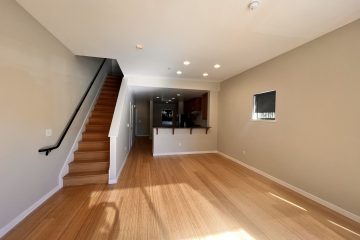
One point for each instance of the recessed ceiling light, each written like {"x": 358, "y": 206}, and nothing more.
{"x": 217, "y": 66}
{"x": 167, "y": 102}
{"x": 173, "y": 98}
{"x": 186, "y": 63}
{"x": 179, "y": 72}
{"x": 139, "y": 46}
{"x": 178, "y": 94}
{"x": 205, "y": 74}
{"x": 157, "y": 97}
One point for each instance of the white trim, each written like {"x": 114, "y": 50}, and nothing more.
{"x": 183, "y": 153}
{"x": 114, "y": 181}
{"x": 298, "y": 190}
{"x": 263, "y": 120}
{"x": 26, "y": 212}
{"x": 70, "y": 156}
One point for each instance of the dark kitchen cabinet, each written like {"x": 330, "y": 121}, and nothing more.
{"x": 197, "y": 105}
{"x": 193, "y": 105}
{"x": 204, "y": 106}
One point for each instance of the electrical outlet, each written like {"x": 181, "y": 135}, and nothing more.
{"x": 180, "y": 144}
{"x": 48, "y": 132}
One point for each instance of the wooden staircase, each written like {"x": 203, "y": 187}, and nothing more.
{"x": 91, "y": 160}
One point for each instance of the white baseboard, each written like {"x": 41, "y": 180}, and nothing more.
{"x": 183, "y": 153}
{"x": 25, "y": 213}
{"x": 70, "y": 156}
{"x": 298, "y": 190}
{"x": 114, "y": 181}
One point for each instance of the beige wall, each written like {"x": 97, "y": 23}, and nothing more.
{"x": 41, "y": 83}
{"x": 314, "y": 144}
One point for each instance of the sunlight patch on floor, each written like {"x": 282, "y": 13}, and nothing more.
{"x": 287, "y": 201}
{"x": 109, "y": 218}
{"x": 230, "y": 235}
{"x": 94, "y": 198}
{"x": 342, "y": 227}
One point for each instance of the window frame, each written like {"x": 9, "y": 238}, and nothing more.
{"x": 253, "y": 107}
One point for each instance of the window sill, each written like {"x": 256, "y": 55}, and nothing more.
{"x": 262, "y": 120}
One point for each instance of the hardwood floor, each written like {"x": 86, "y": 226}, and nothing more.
{"x": 183, "y": 197}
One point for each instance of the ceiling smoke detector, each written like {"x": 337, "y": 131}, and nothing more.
{"x": 139, "y": 46}
{"x": 254, "y": 4}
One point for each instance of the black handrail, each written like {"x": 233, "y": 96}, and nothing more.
{"x": 48, "y": 149}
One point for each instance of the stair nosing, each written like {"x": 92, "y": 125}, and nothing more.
{"x": 89, "y": 161}
{"x": 92, "y": 151}
{"x": 90, "y": 173}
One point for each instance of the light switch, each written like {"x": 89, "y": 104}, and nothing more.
{"x": 48, "y": 132}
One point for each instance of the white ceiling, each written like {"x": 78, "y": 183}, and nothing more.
{"x": 204, "y": 32}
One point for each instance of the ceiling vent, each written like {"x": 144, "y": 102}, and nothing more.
{"x": 254, "y": 4}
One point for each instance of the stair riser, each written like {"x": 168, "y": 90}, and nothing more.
{"x": 106, "y": 103}
{"x": 100, "y": 121}
{"x": 97, "y": 128}
{"x": 108, "y": 93}
{"x": 78, "y": 156}
{"x": 98, "y": 115}
{"x": 109, "y": 90}
{"x": 106, "y": 98}
{"x": 84, "y": 180}
{"x": 101, "y": 117}
{"x": 88, "y": 167}
{"x": 111, "y": 86}
{"x": 93, "y": 137}
{"x": 113, "y": 80}
{"x": 112, "y": 89}
{"x": 102, "y": 108}
{"x": 94, "y": 146}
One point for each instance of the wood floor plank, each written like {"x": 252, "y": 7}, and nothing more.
{"x": 183, "y": 197}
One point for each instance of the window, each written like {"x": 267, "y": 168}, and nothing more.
{"x": 264, "y": 106}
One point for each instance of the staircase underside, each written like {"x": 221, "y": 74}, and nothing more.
{"x": 92, "y": 159}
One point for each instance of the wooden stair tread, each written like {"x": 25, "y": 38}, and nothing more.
{"x": 99, "y": 141}
{"x": 82, "y": 174}
{"x": 90, "y": 161}
{"x": 97, "y": 125}
{"x": 95, "y": 151}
